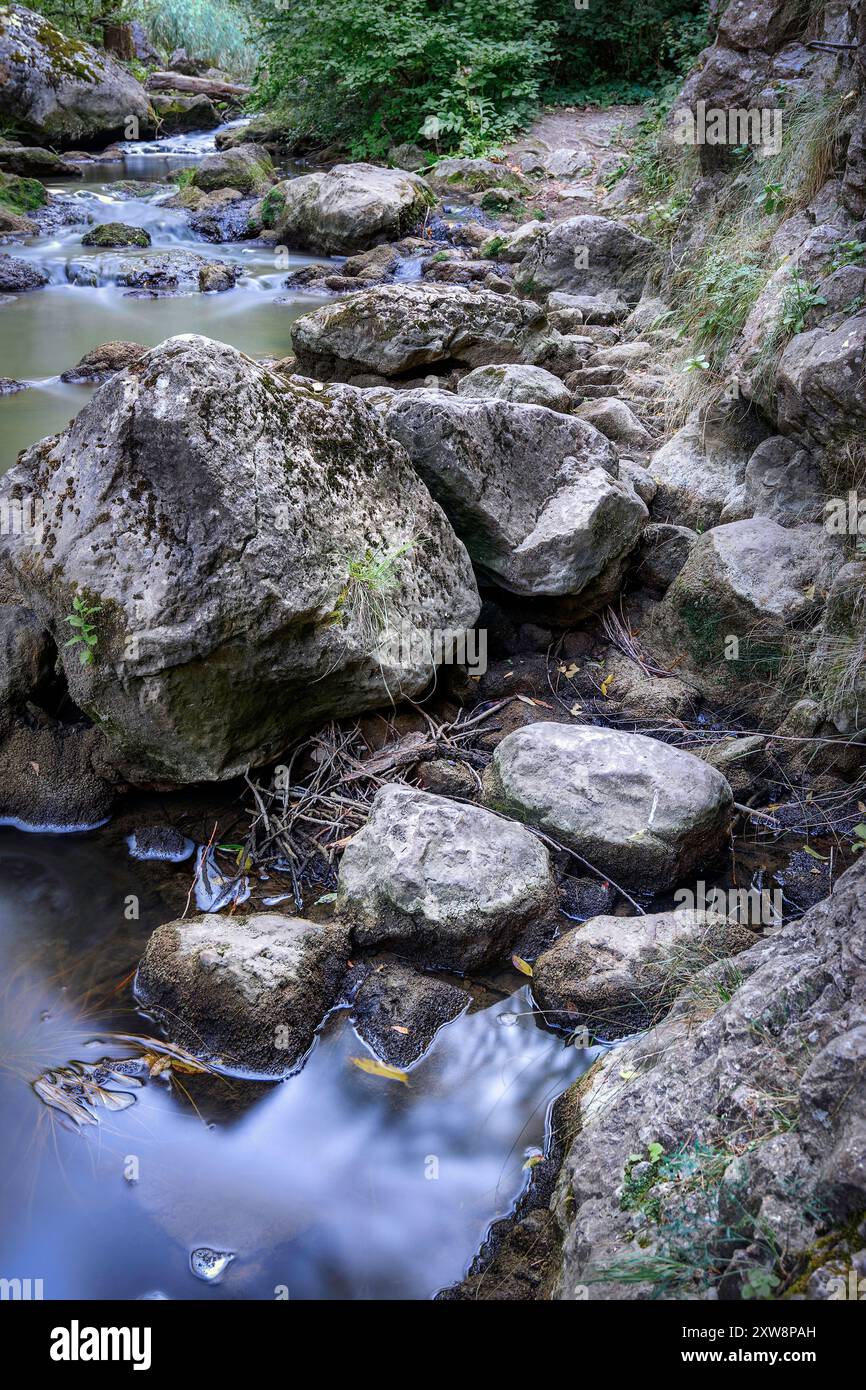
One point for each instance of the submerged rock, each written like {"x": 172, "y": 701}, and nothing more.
{"x": 248, "y": 993}
{"x": 51, "y": 777}
{"x": 162, "y": 842}
{"x": 617, "y": 975}
{"x": 350, "y": 208}
{"x": 395, "y": 329}
{"x": 447, "y": 884}
{"x": 61, "y": 90}
{"x": 637, "y": 809}
{"x": 222, "y": 559}
{"x": 154, "y": 270}
{"x": 534, "y": 494}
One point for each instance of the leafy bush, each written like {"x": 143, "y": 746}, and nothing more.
{"x": 371, "y": 73}
{"x": 621, "y": 50}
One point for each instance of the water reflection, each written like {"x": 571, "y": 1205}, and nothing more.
{"x": 335, "y": 1184}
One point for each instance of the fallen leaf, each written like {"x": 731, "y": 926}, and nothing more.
{"x": 575, "y": 709}
{"x": 628, "y": 1075}
{"x": 523, "y": 966}
{"x": 374, "y": 1068}
{"x": 606, "y": 684}
{"x": 533, "y": 1160}
{"x": 398, "y": 1028}
{"x": 813, "y": 854}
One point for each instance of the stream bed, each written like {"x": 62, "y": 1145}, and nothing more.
{"x": 333, "y": 1184}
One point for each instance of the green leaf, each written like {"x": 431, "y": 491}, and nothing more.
{"x": 655, "y": 1151}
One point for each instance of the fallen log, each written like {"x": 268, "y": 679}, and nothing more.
{"x": 204, "y": 86}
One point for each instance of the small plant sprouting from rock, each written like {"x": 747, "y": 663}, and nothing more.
{"x": 363, "y": 598}
{"x": 85, "y": 631}
{"x": 799, "y": 298}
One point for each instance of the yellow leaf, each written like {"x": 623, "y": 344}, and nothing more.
{"x": 606, "y": 684}
{"x": 533, "y": 1159}
{"x": 523, "y": 966}
{"x": 398, "y": 1028}
{"x": 374, "y": 1068}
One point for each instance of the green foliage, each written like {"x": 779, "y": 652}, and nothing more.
{"x": 798, "y": 299}
{"x": 771, "y": 198}
{"x": 216, "y": 31}
{"x": 847, "y": 253}
{"x": 369, "y": 74}
{"x": 85, "y": 631}
{"x": 621, "y": 50}
{"x": 717, "y": 292}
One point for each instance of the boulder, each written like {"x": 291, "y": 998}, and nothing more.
{"x": 837, "y": 666}
{"x": 456, "y": 174}
{"x": 12, "y": 224}
{"x": 17, "y": 276}
{"x": 217, "y": 276}
{"x": 61, "y": 90}
{"x": 116, "y": 234}
{"x": 246, "y": 993}
{"x": 245, "y": 600}
{"x": 701, "y": 464}
{"x": 616, "y": 420}
{"x": 744, "y": 592}
{"x": 396, "y": 329}
{"x": 247, "y": 168}
{"x": 31, "y": 162}
{"x": 640, "y": 810}
{"x": 783, "y": 481}
{"x": 446, "y": 884}
{"x": 661, "y": 554}
{"x": 516, "y": 382}
{"x": 587, "y": 255}
{"x": 350, "y": 208}
{"x": 533, "y": 494}
{"x": 819, "y": 383}
{"x": 177, "y": 112}
{"x": 511, "y": 247}
{"x": 618, "y": 975}
{"x": 51, "y": 777}
{"x": 101, "y": 362}
{"x": 398, "y": 1011}
{"x": 568, "y": 163}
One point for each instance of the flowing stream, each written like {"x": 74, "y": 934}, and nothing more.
{"x": 333, "y": 1184}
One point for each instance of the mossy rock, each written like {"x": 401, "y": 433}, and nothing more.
{"x": 20, "y": 194}
{"x": 116, "y": 234}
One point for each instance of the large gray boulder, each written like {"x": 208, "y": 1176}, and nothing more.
{"x": 447, "y": 884}
{"x": 247, "y": 993}
{"x": 640, "y": 810}
{"x": 617, "y": 975}
{"x": 534, "y": 494}
{"x": 819, "y": 382}
{"x": 350, "y": 208}
{"x": 587, "y": 256}
{"x": 701, "y": 465}
{"x": 219, "y": 517}
{"x": 61, "y": 90}
{"x": 783, "y": 481}
{"x": 26, "y": 657}
{"x": 396, "y": 329}
{"x": 747, "y": 588}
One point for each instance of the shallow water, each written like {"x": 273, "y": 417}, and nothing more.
{"x": 333, "y": 1184}
{"x": 46, "y": 331}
